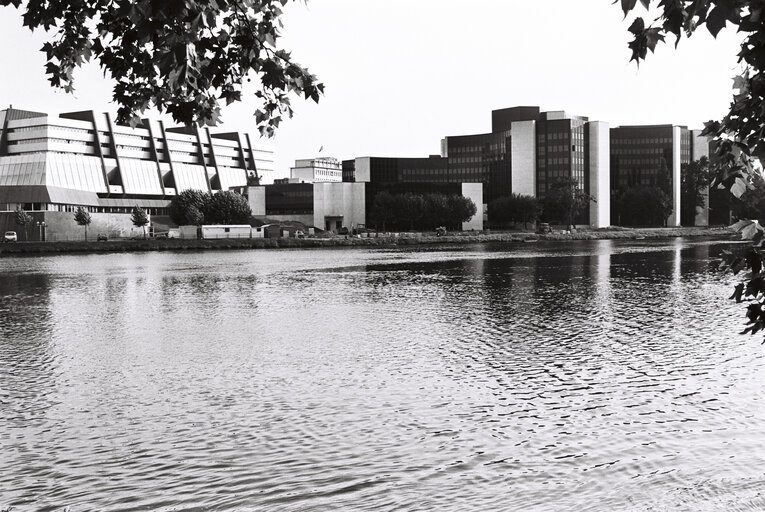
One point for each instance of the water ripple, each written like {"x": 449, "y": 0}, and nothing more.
{"x": 583, "y": 376}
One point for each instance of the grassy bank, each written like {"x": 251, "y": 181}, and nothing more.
{"x": 383, "y": 240}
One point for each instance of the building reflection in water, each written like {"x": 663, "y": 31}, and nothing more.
{"x": 30, "y": 375}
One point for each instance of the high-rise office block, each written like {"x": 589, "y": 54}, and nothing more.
{"x": 528, "y": 150}
{"x": 653, "y": 155}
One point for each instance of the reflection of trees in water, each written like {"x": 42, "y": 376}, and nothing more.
{"x": 28, "y": 364}
{"x": 208, "y": 293}
{"x": 24, "y": 303}
{"x": 598, "y": 311}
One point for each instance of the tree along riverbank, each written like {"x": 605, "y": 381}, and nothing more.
{"x": 381, "y": 240}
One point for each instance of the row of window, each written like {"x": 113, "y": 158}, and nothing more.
{"x": 557, "y": 148}
{"x": 289, "y": 211}
{"x": 26, "y": 129}
{"x": 553, "y": 136}
{"x": 465, "y": 160}
{"x": 555, "y": 161}
{"x": 641, "y": 161}
{"x": 48, "y": 139}
{"x": 140, "y": 141}
{"x": 638, "y": 151}
{"x": 631, "y": 182}
{"x": 468, "y": 178}
{"x": 38, "y": 156}
{"x": 640, "y": 141}
{"x": 493, "y": 148}
{"x": 552, "y": 175}
{"x": 55, "y": 207}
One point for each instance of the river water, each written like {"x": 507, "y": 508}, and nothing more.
{"x": 597, "y": 375}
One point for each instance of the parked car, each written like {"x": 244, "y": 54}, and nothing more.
{"x": 440, "y": 231}
{"x": 10, "y": 236}
{"x": 102, "y": 237}
{"x": 543, "y": 228}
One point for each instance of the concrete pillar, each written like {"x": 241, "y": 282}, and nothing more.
{"x": 256, "y": 198}
{"x": 523, "y": 159}
{"x": 674, "y": 218}
{"x": 474, "y": 191}
{"x": 700, "y": 144}
{"x": 599, "y": 173}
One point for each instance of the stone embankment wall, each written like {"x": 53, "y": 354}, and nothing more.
{"x": 383, "y": 240}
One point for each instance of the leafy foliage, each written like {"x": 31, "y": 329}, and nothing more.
{"x": 565, "y": 201}
{"x": 418, "y": 211}
{"x": 740, "y": 132}
{"x": 82, "y": 218}
{"x": 752, "y": 288}
{"x": 226, "y": 207}
{"x": 459, "y": 209}
{"x": 139, "y": 218}
{"x": 194, "y": 207}
{"x": 186, "y": 208}
{"x": 409, "y": 209}
{"x": 514, "y": 208}
{"x": 383, "y": 210}
{"x": 751, "y": 204}
{"x": 180, "y": 57}
{"x": 23, "y": 219}
{"x": 694, "y": 179}
{"x": 643, "y": 206}
{"x": 194, "y": 216}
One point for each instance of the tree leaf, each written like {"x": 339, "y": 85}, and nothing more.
{"x": 716, "y": 20}
{"x": 628, "y": 5}
{"x": 738, "y": 291}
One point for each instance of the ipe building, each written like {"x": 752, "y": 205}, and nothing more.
{"x": 51, "y": 165}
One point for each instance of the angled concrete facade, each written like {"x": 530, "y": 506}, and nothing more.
{"x": 85, "y": 159}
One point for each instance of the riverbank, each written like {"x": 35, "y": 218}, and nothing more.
{"x": 382, "y": 240}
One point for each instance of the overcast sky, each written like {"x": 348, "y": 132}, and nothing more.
{"x": 402, "y": 74}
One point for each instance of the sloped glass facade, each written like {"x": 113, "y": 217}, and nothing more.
{"x": 88, "y": 153}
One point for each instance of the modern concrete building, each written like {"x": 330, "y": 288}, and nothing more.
{"x": 316, "y": 170}
{"x": 415, "y": 175}
{"x": 329, "y": 206}
{"x": 653, "y": 155}
{"x": 50, "y": 165}
{"x": 528, "y": 150}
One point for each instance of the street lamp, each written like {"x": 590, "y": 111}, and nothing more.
{"x": 41, "y": 225}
